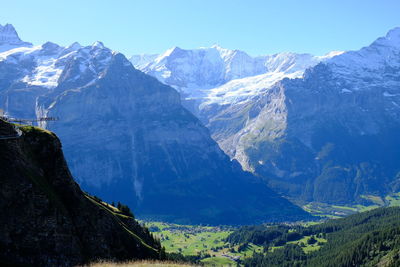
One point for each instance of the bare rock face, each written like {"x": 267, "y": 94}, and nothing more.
{"x": 127, "y": 135}
{"x": 330, "y": 136}
{"x": 47, "y": 220}
{"x": 325, "y": 134}
{"x": 330, "y": 146}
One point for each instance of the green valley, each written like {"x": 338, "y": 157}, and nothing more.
{"x": 203, "y": 244}
{"x": 338, "y": 211}
{"x": 367, "y": 238}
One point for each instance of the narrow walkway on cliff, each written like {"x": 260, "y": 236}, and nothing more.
{"x": 5, "y": 133}
{"x": 17, "y": 135}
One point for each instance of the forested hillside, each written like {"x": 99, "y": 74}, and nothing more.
{"x": 365, "y": 239}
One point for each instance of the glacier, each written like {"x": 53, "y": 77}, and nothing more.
{"x": 216, "y": 75}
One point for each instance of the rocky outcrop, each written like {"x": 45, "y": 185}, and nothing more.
{"x": 47, "y": 220}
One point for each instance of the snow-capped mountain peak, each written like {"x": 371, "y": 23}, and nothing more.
{"x": 331, "y": 55}
{"x": 224, "y": 52}
{"x": 368, "y": 63}
{"x": 9, "y": 38}
{"x": 45, "y": 65}
{"x": 171, "y": 51}
{"x": 392, "y": 39}
{"x": 8, "y": 34}
{"x": 142, "y": 59}
{"x": 98, "y": 44}
{"x": 202, "y": 67}
{"x": 74, "y": 46}
{"x": 219, "y": 75}
{"x": 216, "y": 46}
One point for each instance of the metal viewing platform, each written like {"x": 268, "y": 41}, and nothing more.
{"x": 4, "y": 117}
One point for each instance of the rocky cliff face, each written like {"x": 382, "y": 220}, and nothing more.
{"x": 330, "y": 136}
{"x": 127, "y": 135}
{"x": 128, "y": 138}
{"x": 47, "y": 220}
{"x": 327, "y": 135}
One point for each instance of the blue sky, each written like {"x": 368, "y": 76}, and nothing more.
{"x": 255, "y": 26}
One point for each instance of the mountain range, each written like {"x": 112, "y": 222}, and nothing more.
{"x": 218, "y": 76}
{"x": 315, "y": 128}
{"x": 127, "y": 137}
{"x": 209, "y": 135}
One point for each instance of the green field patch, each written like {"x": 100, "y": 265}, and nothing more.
{"x": 329, "y": 211}
{"x": 345, "y": 208}
{"x": 190, "y": 239}
{"x": 307, "y": 248}
{"x": 218, "y": 261}
{"x": 374, "y": 199}
{"x": 393, "y": 200}
{"x": 362, "y": 208}
{"x": 209, "y": 243}
{"x": 337, "y": 211}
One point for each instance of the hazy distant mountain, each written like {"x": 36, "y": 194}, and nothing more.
{"x": 328, "y": 135}
{"x": 127, "y": 137}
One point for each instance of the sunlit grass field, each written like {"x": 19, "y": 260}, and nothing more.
{"x": 209, "y": 242}
{"x": 138, "y": 264}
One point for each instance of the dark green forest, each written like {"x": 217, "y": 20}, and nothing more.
{"x": 365, "y": 239}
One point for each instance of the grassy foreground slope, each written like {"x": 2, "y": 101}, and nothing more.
{"x": 139, "y": 264}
